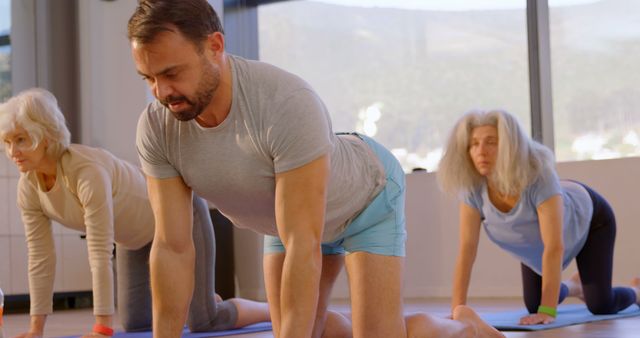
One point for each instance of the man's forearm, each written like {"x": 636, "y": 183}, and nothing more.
{"x": 172, "y": 286}
{"x": 299, "y": 292}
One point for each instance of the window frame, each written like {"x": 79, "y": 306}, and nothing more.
{"x": 244, "y": 42}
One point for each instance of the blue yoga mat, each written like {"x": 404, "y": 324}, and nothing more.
{"x": 258, "y": 327}
{"x": 567, "y": 315}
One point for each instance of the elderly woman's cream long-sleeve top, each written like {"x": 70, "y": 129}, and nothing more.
{"x": 94, "y": 193}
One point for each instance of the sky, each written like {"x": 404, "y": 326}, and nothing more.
{"x": 450, "y": 5}
{"x": 5, "y": 15}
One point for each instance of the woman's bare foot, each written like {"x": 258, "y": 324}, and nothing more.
{"x": 575, "y": 286}
{"x": 337, "y": 325}
{"x": 466, "y": 314}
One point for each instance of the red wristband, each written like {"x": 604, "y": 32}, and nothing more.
{"x": 103, "y": 330}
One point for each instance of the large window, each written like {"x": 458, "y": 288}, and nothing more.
{"x": 595, "y": 50}
{"x": 5, "y": 50}
{"x": 403, "y": 71}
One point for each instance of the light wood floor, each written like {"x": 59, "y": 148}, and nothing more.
{"x": 73, "y": 322}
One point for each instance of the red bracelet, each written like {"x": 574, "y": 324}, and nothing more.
{"x": 103, "y": 330}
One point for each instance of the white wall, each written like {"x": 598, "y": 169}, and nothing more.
{"x": 112, "y": 94}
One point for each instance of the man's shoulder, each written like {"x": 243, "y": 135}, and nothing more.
{"x": 154, "y": 118}
{"x": 268, "y": 75}
{"x": 154, "y": 110}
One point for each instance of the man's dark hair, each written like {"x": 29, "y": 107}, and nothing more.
{"x": 194, "y": 19}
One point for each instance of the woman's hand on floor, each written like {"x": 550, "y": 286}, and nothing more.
{"x": 536, "y": 318}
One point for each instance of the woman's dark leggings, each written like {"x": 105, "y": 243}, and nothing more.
{"x": 595, "y": 265}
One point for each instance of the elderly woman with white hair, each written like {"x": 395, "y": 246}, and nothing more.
{"x": 90, "y": 190}
{"x": 508, "y": 184}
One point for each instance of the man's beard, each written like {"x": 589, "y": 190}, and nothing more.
{"x": 204, "y": 93}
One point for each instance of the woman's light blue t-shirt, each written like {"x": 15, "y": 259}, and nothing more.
{"x": 518, "y": 230}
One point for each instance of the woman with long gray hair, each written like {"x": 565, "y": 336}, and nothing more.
{"x": 507, "y": 183}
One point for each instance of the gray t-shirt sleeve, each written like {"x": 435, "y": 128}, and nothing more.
{"x": 544, "y": 187}
{"x": 151, "y": 144}
{"x": 472, "y": 198}
{"x": 300, "y": 131}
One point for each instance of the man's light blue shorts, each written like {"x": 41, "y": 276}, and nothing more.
{"x": 381, "y": 227}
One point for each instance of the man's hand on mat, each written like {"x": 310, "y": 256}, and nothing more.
{"x": 537, "y": 318}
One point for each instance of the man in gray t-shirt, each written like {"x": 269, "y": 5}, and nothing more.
{"x": 257, "y": 142}
{"x": 270, "y": 129}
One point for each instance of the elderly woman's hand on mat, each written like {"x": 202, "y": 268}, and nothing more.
{"x": 537, "y": 318}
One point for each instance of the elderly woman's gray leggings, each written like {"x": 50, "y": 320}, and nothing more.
{"x": 134, "y": 293}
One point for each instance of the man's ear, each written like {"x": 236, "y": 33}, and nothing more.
{"x": 215, "y": 43}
